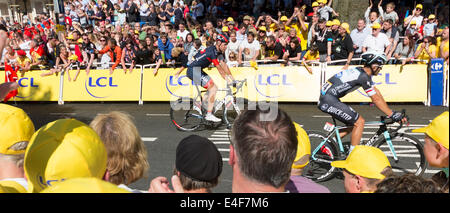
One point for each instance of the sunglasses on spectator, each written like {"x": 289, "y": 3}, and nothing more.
{"x": 102, "y": 40}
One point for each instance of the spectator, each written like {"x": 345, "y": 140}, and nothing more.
{"x": 343, "y": 46}
{"x": 293, "y": 51}
{"x": 88, "y": 49}
{"x": 416, "y": 17}
{"x": 436, "y": 146}
{"x": 62, "y": 62}
{"x": 240, "y": 34}
{"x": 426, "y": 50}
{"x": 233, "y": 47}
{"x": 274, "y": 50}
{"x": 377, "y": 42}
{"x": 144, "y": 11}
{"x": 198, "y": 164}
{"x": 126, "y": 153}
{"x": 298, "y": 183}
{"x": 114, "y": 52}
{"x": 363, "y": 169}
{"x": 405, "y": 50}
{"x": 407, "y": 183}
{"x": 16, "y": 130}
{"x": 323, "y": 40}
{"x": 263, "y": 148}
{"x": 325, "y": 10}
{"x": 197, "y": 47}
{"x": 393, "y": 35}
{"x": 128, "y": 57}
{"x": 144, "y": 53}
{"x": 390, "y": 13}
{"x": 37, "y": 55}
{"x": 132, "y": 12}
{"x": 23, "y": 62}
{"x": 70, "y": 148}
{"x": 312, "y": 55}
{"x": 443, "y": 49}
{"x": 249, "y": 49}
{"x": 165, "y": 46}
{"x": 372, "y": 17}
{"x": 430, "y": 27}
{"x": 358, "y": 36}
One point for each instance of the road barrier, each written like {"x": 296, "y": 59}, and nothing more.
{"x": 397, "y": 83}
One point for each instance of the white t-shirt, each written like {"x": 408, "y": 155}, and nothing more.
{"x": 232, "y": 47}
{"x": 253, "y": 48}
{"x": 418, "y": 20}
{"x": 183, "y": 34}
{"x": 376, "y": 44}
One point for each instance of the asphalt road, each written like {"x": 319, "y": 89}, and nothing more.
{"x": 161, "y": 138}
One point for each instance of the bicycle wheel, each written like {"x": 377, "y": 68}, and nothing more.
{"x": 233, "y": 109}
{"x": 183, "y": 116}
{"x": 320, "y": 170}
{"x": 409, "y": 151}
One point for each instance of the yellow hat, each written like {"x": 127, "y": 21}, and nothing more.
{"x": 336, "y": 22}
{"x": 376, "y": 25}
{"x": 262, "y": 28}
{"x": 413, "y": 22}
{"x": 322, "y": 1}
{"x": 84, "y": 185}
{"x": 329, "y": 23}
{"x": 365, "y": 161}
{"x": 432, "y": 16}
{"x": 63, "y": 149}
{"x": 15, "y": 126}
{"x": 303, "y": 148}
{"x": 346, "y": 26}
{"x": 224, "y": 29}
{"x": 315, "y": 4}
{"x": 419, "y": 6}
{"x": 6, "y": 189}
{"x": 70, "y": 37}
{"x": 230, "y": 19}
{"x": 80, "y": 40}
{"x": 437, "y": 129}
{"x": 13, "y": 186}
{"x": 73, "y": 57}
{"x": 284, "y": 18}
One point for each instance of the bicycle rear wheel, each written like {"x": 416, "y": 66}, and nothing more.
{"x": 409, "y": 151}
{"x": 182, "y": 115}
{"x": 320, "y": 170}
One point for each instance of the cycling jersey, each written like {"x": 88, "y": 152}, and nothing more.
{"x": 202, "y": 60}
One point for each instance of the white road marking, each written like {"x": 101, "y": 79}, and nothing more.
{"x": 156, "y": 115}
{"x": 219, "y": 136}
{"x": 224, "y": 150}
{"x": 226, "y": 142}
{"x": 148, "y": 139}
{"x": 219, "y": 139}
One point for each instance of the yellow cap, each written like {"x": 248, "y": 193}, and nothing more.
{"x": 376, "y": 25}
{"x": 6, "y": 189}
{"x": 262, "y": 28}
{"x": 365, "y": 161}
{"x": 346, "y": 26}
{"x": 315, "y": 4}
{"x": 84, "y": 185}
{"x": 80, "y": 40}
{"x": 63, "y": 149}
{"x": 437, "y": 129}
{"x": 284, "y": 18}
{"x": 303, "y": 148}
{"x": 224, "y": 29}
{"x": 15, "y": 126}
{"x": 419, "y": 6}
{"x": 413, "y": 22}
{"x": 336, "y": 22}
{"x": 322, "y": 1}
{"x": 432, "y": 16}
{"x": 73, "y": 57}
{"x": 13, "y": 186}
{"x": 70, "y": 37}
{"x": 230, "y": 19}
{"x": 329, "y": 23}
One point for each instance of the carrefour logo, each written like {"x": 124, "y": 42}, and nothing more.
{"x": 95, "y": 86}
{"x": 271, "y": 83}
{"x": 26, "y": 83}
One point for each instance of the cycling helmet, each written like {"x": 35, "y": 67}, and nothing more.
{"x": 373, "y": 58}
{"x": 222, "y": 38}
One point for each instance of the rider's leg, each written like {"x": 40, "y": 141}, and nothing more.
{"x": 212, "y": 90}
{"x": 357, "y": 132}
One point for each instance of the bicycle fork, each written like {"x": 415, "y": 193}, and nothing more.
{"x": 391, "y": 146}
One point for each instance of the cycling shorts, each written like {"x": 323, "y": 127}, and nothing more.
{"x": 199, "y": 77}
{"x": 338, "y": 110}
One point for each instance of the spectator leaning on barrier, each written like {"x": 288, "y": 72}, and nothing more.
{"x": 16, "y": 129}
{"x": 377, "y": 42}
{"x": 323, "y": 39}
{"x": 126, "y": 153}
{"x": 249, "y": 49}
{"x": 114, "y": 52}
{"x": 343, "y": 46}
{"x": 392, "y": 34}
{"x": 364, "y": 168}
{"x": 426, "y": 50}
{"x": 405, "y": 49}
{"x": 436, "y": 146}
{"x": 263, "y": 148}
{"x": 359, "y": 34}
{"x": 274, "y": 50}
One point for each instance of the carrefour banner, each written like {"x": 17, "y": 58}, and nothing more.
{"x": 263, "y": 84}
{"x": 99, "y": 85}
{"x": 396, "y": 83}
{"x": 33, "y": 87}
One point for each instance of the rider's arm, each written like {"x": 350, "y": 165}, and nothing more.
{"x": 224, "y": 71}
{"x": 379, "y": 101}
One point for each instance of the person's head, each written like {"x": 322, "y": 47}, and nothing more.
{"x": 127, "y": 156}
{"x": 373, "y": 62}
{"x": 322, "y": 23}
{"x": 33, "y": 43}
{"x": 321, "y": 3}
{"x": 390, "y": 7}
{"x": 373, "y": 16}
{"x": 85, "y": 38}
{"x": 163, "y": 37}
{"x": 21, "y": 53}
{"x": 63, "y": 149}
{"x": 314, "y": 48}
{"x": 445, "y": 34}
{"x": 436, "y": 141}
{"x": 246, "y": 20}
{"x": 233, "y": 37}
{"x": 222, "y": 42}
{"x": 376, "y": 29}
{"x": 263, "y": 149}
{"x": 361, "y": 25}
{"x": 112, "y": 42}
{"x": 407, "y": 183}
{"x": 197, "y": 43}
{"x": 315, "y": 6}
{"x": 250, "y": 37}
{"x": 16, "y": 130}
{"x": 364, "y": 167}
{"x": 336, "y": 24}
{"x": 293, "y": 43}
{"x": 198, "y": 163}
{"x": 387, "y": 24}
{"x": 344, "y": 29}
{"x": 431, "y": 40}
{"x": 242, "y": 28}
{"x": 293, "y": 33}
{"x": 419, "y": 9}
{"x": 271, "y": 41}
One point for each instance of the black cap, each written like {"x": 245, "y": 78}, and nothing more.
{"x": 198, "y": 158}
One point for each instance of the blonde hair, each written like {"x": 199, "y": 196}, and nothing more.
{"x": 19, "y": 158}
{"x": 127, "y": 156}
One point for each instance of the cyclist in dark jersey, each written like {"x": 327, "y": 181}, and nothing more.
{"x": 347, "y": 81}
{"x": 212, "y": 54}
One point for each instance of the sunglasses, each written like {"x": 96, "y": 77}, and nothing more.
{"x": 102, "y": 40}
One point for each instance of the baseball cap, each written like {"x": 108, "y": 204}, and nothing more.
{"x": 247, "y": 17}
{"x": 21, "y": 53}
{"x": 365, "y": 161}
{"x": 284, "y": 18}
{"x": 329, "y": 23}
{"x": 84, "y": 185}
{"x": 315, "y": 4}
{"x": 322, "y": 1}
{"x": 437, "y": 129}
{"x": 432, "y": 16}
{"x": 198, "y": 158}
{"x": 303, "y": 148}
{"x": 262, "y": 28}
{"x": 15, "y": 126}
{"x": 63, "y": 149}
{"x": 336, "y": 22}
{"x": 70, "y": 37}
{"x": 73, "y": 57}
{"x": 413, "y": 22}
{"x": 376, "y": 25}
{"x": 419, "y": 6}
{"x": 6, "y": 189}
{"x": 346, "y": 26}
{"x": 230, "y": 19}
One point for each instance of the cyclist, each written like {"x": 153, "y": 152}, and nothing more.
{"x": 212, "y": 54}
{"x": 347, "y": 81}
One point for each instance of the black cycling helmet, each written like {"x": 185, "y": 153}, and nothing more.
{"x": 222, "y": 38}
{"x": 373, "y": 58}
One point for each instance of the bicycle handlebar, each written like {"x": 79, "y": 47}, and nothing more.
{"x": 387, "y": 120}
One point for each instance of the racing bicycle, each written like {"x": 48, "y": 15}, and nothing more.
{"x": 401, "y": 149}
{"x": 188, "y": 114}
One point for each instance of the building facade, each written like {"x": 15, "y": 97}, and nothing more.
{"x": 14, "y": 10}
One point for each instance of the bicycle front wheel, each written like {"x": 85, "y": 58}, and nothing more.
{"x": 409, "y": 151}
{"x": 233, "y": 109}
{"x": 183, "y": 116}
{"x": 320, "y": 169}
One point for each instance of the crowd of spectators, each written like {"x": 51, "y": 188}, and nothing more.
{"x": 124, "y": 33}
